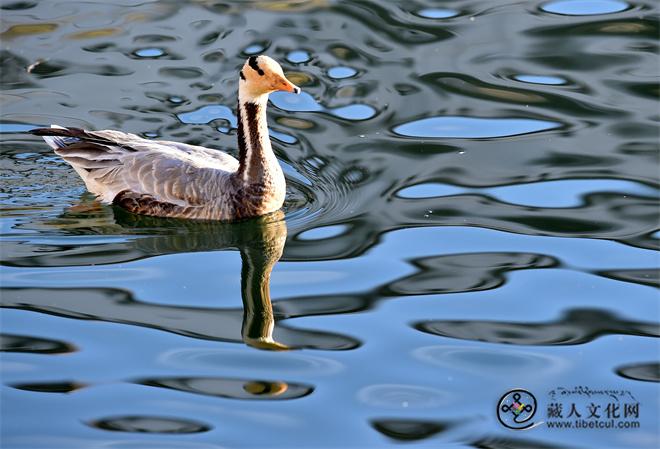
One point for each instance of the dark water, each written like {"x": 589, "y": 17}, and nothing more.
{"x": 472, "y": 207}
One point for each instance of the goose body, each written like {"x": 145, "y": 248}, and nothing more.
{"x": 172, "y": 179}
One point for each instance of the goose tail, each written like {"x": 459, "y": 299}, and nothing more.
{"x": 56, "y": 140}
{"x": 90, "y": 155}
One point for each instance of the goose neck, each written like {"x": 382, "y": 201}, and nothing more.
{"x": 256, "y": 156}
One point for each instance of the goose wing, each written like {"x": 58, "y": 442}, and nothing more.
{"x": 113, "y": 162}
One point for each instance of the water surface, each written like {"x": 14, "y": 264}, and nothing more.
{"x": 472, "y": 207}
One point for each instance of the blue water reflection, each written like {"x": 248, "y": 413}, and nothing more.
{"x": 304, "y": 102}
{"x": 541, "y": 79}
{"x": 585, "y": 7}
{"x": 560, "y": 193}
{"x": 324, "y": 232}
{"x": 150, "y": 52}
{"x": 473, "y": 127}
{"x": 206, "y": 114}
{"x": 282, "y": 137}
{"x": 15, "y": 127}
{"x": 470, "y": 203}
{"x": 298, "y": 56}
{"x": 341, "y": 72}
{"x": 254, "y": 49}
{"x": 437, "y": 13}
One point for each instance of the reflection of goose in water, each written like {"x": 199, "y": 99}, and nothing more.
{"x": 172, "y": 179}
{"x": 260, "y": 241}
{"x": 261, "y": 248}
{"x": 441, "y": 274}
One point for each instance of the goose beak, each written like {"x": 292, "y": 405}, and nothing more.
{"x": 290, "y": 87}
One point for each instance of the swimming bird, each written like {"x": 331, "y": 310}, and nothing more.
{"x": 172, "y": 179}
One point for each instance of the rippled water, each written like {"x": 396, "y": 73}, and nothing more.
{"x": 472, "y": 207}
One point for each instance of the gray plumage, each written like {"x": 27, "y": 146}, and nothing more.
{"x": 162, "y": 178}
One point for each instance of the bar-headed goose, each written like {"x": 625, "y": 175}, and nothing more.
{"x": 171, "y": 179}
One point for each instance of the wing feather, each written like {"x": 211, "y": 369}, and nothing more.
{"x": 111, "y": 162}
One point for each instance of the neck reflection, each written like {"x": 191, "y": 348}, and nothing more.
{"x": 261, "y": 249}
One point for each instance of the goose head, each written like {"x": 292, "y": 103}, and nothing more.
{"x": 262, "y": 75}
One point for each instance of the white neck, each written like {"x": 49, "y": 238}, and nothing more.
{"x": 245, "y": 94}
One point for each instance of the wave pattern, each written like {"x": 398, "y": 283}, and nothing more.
{"x": 480, "y": 176}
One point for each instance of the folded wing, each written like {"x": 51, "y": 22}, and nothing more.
{"x": 113, "y": 163}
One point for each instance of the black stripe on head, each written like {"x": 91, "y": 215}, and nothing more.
{"x": 252, "y": 61}
{"x": 242, "y": 76}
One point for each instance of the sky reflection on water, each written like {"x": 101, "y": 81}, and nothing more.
{"x": 472, "y": 206}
